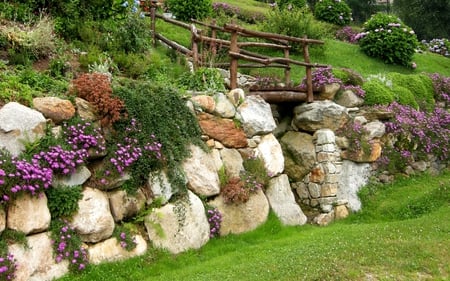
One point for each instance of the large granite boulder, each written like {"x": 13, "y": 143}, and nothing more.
{"x": 29, "y": 214}
{"x": 110, "y": 250}
{"x": 314, "y": 116}
{"x": 299, "y": 154}
{"x": 256, "y": 116}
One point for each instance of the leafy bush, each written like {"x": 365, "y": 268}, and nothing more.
{"x": 96, "y": 88}
{"x": 187, "y": 10}
{"x": 404, "y": 96}
{"x": 333, "y": 11}
{"x": 296, "y": 23}
{"x": 348, "y": 76}
{"x": 387, "y": 38}
{"x": 63, "y": 201}
{"x": 377, "y": 93}
{"x": 420, "y": 86}
{"x": 290, "y": 4}
{"x": 17, "y": 12}
{"x": 347, "y": 34}
{"x": 12, "y": 90}
{"x": 203, "y": 79}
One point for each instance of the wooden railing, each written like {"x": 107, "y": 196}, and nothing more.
{"x": 201, "y": 43}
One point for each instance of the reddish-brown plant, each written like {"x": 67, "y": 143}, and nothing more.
{"x": 96, "y": 88}
{"x": 235, "y": 192}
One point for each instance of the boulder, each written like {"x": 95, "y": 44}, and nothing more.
{"x": 236, "y": 96}
{"x": 28, "y": 214}
{"x": 124, "y": 205}
{"x": 160, "y": 186}
{"x": 242, "y": 217}
{"x": 256, "y": 116}
{"x": 36, "y": 261}
{"x": 299, "y": 154}
{"x": 223, "y": 130}
{"x": 224, "y": 107}
{"x": 349, "y": 99}
{"x": 269, "y": 150}
{"x": 2, "y": 219}
{"x": 370, "y": 155}
{"x": 111, "y": 250}
{"x": 201, "y": 172}
{"x": 375, "y": 130}
{"x": 80, "y": 176}
{"x": 179, "y": 226}
{"x": 54, "y": 108}
{"x": 282, "y": 201}
{"x": 86, "y": 110}
{"x": 328, "y": 91}
{"x": 18, "y": 125}
{"x": 232, "y": 161}
{"x": 318, "y": 115}
{"x": 353, "y": 177}
{"x": 205, "y": 102}
{"x": 93, "y": 220}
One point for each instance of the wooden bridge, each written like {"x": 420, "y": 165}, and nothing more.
{"x": 204, "y": 45}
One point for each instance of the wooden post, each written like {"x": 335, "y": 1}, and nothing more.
{"x": 194, "y": 46}
{"x": 309, "y": 86}
{"x": 153, "y": 21}
{"x": 213, "y": 47}
{"x": 234, "y": 61}
{"x": 287, "y": 70}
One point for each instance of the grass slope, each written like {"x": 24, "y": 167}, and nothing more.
{"x": 401, "y": 234}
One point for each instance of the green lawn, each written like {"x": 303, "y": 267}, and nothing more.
{"x": 401, "y": 234}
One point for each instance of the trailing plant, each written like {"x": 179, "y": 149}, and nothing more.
{"x": 417, "y": 134}
{"x": 333, "y": 11}
{"x": 96, "y": 88}
{"x": 162, "y": 113}
{"x": 386, "y": 37}
{"x": 214, "y": 219}
{"x": 67, "y": 245}
{"x": 63, "y": 200}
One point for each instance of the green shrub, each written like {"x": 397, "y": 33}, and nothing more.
{"x": 132, "y": 65}
{"x": 18, "y": 12}
{"x": 404, "y": 96}
{"x": 333, "y": 11}
{"x": 377, "y": 93}
{"x": 296, "y": 23}
{"x": 423, "y": 93}
{"x": 11, "y": 89}
{"x": 348, "y": 76}
{"x": 63, "y": 200}
{"x": 203, "y": 79}
{"x": 187, "y": 10}
{"x": 386, "y": 37}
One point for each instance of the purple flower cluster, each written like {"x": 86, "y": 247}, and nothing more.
{"x": 355, "y": 134}
{"x": 21, "y": 175}
{"x": 320, "y": 77}
{"x": 61, "y": 161}
{"x": 215, "y": 219}
{"x": 84, "y": 136}
{"x": 8, "y": 267}
{"x": 438, "y": 46}
{"x": 347, "y": 34}
{"x": 250, "y": 182}
{"x": 68, "y": 247}
{"x": 219, "y": 7}
{"x": 418, "y": 133}
{"x": 441, "y": 87}
{"x": 355, "y": 89}
{"x": 127, "y": 241}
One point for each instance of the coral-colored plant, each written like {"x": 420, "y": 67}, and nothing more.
{"x": 235, "y": 192}
{"x": 96, "y": 88}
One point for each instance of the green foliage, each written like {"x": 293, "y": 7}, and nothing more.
{"x": 387, "y": 38}
{"x": 63, "y": 200}
{"x": 404, "y": 96}
{"x": 419, "y": 85}
{"x": 187, "y": 10}
{"x": 125, "y": 236}
{"x": 255, "y": 167}
{"x": 333, "y": 11}
{"x": 362, "y": 10}
{"x": 377, "y": 93}
{"x": 289, "y": 4}
{"x": 11, "y": 89}
{"x": 18, "y": 12}
{"x": 9, "y": 236}
{"x": 348, "y": 76}
{"x": 162, "y": 113}
{"x": 203, "y": 79}
{"x": 297, "y": 23}
{"x": 132, "y": 65}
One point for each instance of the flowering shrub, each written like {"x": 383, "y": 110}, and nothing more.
{"x": 347, "y": 34}
{"x": 388, "y": 38}
{"x": 67, "y": 245}
{"x": 8, "y": 267}
{"x": 441, "y": 86}
{"x": 18, "y": 176}
{"x": 333, "y": 11}
{"x": 214, "y": 219}
{"x": 418, "y": 134}
{"x": 438, "y": 46}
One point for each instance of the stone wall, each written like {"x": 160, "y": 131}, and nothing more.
{"x": 312, "y": 178}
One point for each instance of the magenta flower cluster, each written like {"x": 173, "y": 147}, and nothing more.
{"x": 418, "y": 133}
{"x": 68, "y": 247}
{"x": 220, "y": 7}
{"x": 8, "y": 267}
{"x": 84, "y": 136}
{"x": 441, "y": 86}
{"x": 61, "y": 161}
{"x": 250, "y": 182}
{"x": 347, "y": 34}
{"x": 127, "y": 241}
{"x": 22, "y": 175}
{"x": 215, "y": 219}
